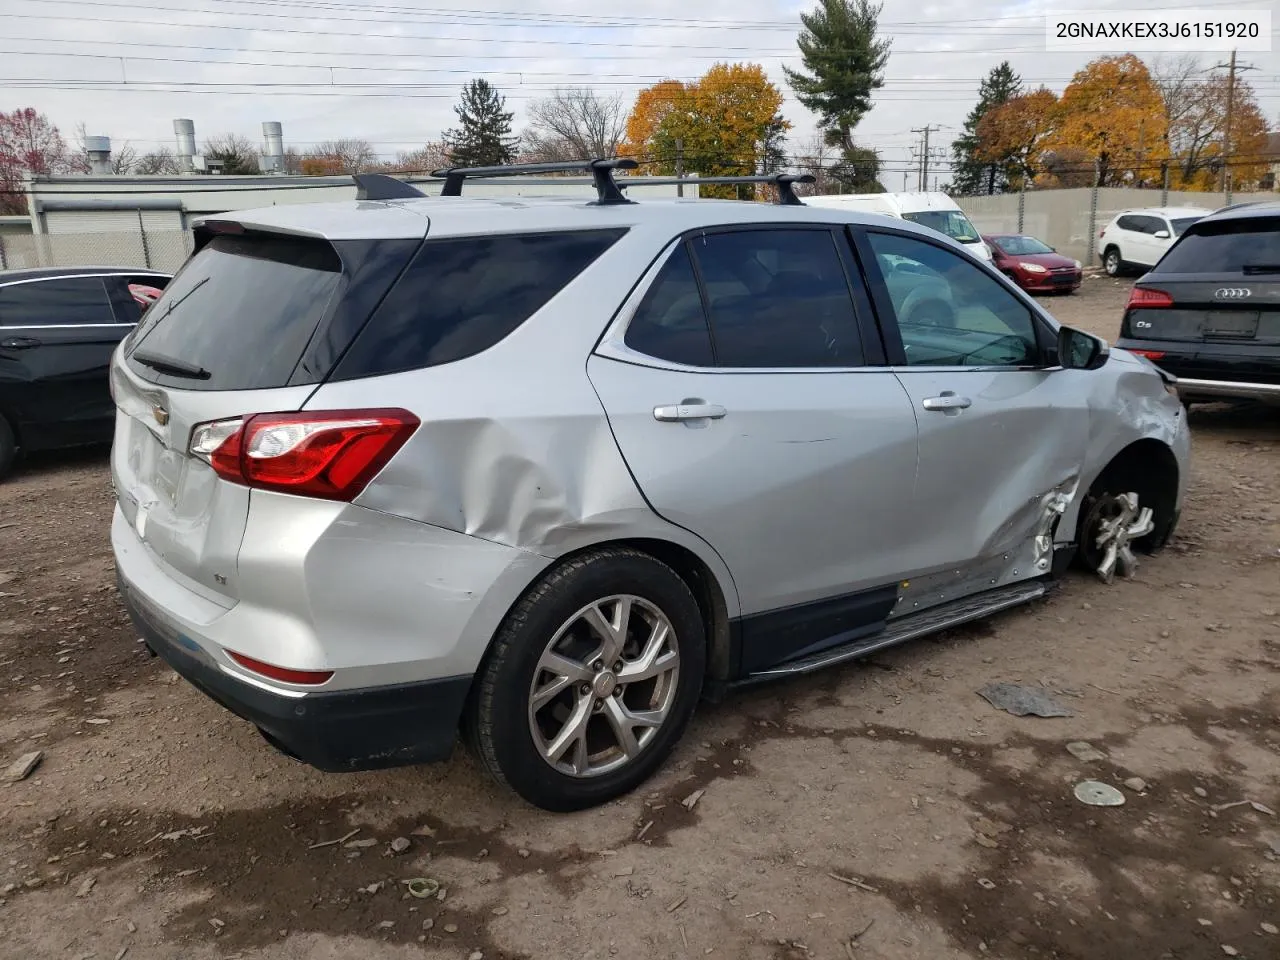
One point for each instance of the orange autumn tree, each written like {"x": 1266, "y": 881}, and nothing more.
{"x": 1112, "y": 113}
{"x": 1014, "y": 134}
{"x": 728, "y": 122}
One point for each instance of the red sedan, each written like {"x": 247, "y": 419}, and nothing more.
{"x": 1033, "y": 265}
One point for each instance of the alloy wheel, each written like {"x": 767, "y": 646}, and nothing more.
{"x": 604, "y": 685}
{"x": 1114, "y": 524}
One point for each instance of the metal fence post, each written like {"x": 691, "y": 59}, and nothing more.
{"x": 146, "y": 247}
{"x": 4, "y": 264}
{"x": 1022, "y": 205}
{"x": 1093, "y": 222}
{"x": 1164, "y": 188}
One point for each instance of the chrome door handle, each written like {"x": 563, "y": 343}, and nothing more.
{"x": 688, "y": 411}
{"x": 947, "y": 402}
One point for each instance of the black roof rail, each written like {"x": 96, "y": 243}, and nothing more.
{"x": 1237, "y": 206}
{"x": 601, "y": 171}
{"x": 379, "y": 186}
{"x": 783, "y": 181}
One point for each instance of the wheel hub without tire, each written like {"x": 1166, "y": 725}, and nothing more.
{"x": 604, "y": 686}
{"x": 1115, "y": 523}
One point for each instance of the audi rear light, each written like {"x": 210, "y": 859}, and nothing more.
{"x": 331, "y": 454}
{"x": 287, "y": 674}
{"x": 1145, "y": 297}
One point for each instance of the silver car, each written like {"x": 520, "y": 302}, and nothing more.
{"x": 548, "y": 471}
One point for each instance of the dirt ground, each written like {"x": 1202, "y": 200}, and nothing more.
{"x": 880, "y": 811}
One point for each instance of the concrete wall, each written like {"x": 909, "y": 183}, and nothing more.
{"x": 1061, "y": 218}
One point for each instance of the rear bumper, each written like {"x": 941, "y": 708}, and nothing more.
{"x": 1215, "y": 371}
{"x": 340, "y": 731}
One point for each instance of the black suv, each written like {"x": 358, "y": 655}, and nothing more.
{"x": 1209, "y": 311}
{"x": 58, "y": 329}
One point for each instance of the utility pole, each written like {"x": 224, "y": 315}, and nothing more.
{"x": 1231, "y": 68}
{"x": 679, "y": 166}
{"x": 927, "y": 129}
{"x": 1137, "y": 173}
{"x": 904, "y": 181}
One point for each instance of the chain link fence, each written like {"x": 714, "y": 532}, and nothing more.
{"x": 163, "y": 250}
{"x": 1069, "y": 220}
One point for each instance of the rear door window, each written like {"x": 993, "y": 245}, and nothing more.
{"x": 461, "y": 296}
{"x": 778, "y": 298}
{"x": 671, "y": 323}
{"x": 64, "y": 302}
{"x": 1245, "y": 246}
{"x": 240, "y": 313}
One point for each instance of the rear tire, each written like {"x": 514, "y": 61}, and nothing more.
{"x": 591, "y": 681}
{"x": 1111, "y": 262}
{"x": 8, "y": 448}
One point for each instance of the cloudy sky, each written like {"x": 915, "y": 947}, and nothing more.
{"x": 389, "y": 70}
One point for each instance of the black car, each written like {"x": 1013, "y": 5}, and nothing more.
{"x": 1209, "y": 311}
{"x": 58, "y": 329}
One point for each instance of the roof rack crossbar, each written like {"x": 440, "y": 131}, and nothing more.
{"x": 379, "y": 186}
{"x": 783, "y": 181}
{"x": 601, "y": 171}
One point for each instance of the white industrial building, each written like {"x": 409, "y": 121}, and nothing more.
{"x": 145, "y": 221}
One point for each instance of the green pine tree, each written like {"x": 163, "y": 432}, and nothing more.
{"x": 845, "y": 60}
{"x": 483, "y": 136}
{"x": 969, "y": 174}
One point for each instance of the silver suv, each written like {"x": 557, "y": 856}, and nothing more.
{"x": 550, "y": 470}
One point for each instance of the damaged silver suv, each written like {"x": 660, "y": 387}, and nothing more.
{"x": 548, "y": 470}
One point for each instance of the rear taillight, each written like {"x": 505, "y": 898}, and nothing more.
{"x": 1145, "y": 297}
{"x": 309, "y": 677}
{"x": 331, "y": 454}
{"x": 1150, "y": 354}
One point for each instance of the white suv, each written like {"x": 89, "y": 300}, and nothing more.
{"x": 1139, "y": 238}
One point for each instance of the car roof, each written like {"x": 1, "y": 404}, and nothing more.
{"x": 51, "y": 273}
{"x": 479, "y": 216}
{"x": 1243, "y": 211}
{"x": 1167, "y": 211}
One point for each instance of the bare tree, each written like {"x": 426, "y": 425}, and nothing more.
{"x": 238, "y": 154}
{"x": 574, "y": 123}
{"x": 157, "y": 163}
{"x": 433, "y": 155}
{"x": 818, "y": 157}
{"x": 348, "y": 155}
{"x": 292, "y": 161}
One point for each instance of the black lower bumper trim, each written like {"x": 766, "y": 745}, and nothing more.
{"x": 346, "y": 730}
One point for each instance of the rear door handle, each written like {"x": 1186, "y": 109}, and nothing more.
{"x": 688, "y": 411}
{"x": 19, "y": 343}
{"x": 947, "y": 402}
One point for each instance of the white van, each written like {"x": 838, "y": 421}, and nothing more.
{"x": 934, "y": 210}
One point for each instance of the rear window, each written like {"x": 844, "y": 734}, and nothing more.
{"x": 239, "y": 315}
{"x": 1246, "y": 246}
{"x": 462, "y": 296}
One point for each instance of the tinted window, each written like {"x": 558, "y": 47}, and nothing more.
{"x": 1180, "y": 225}
{"x": 778, "y": 298}
{"x": 1022, "y": 246}
{"x": 950, "y": 312}
{"x": 242, "y": 309}
{"x": 460, "y": 297}
{"x": 1249, "y": 246}
{"x": 43, "y": 303}
{"x": 1156, "y": 224}
{"x": 671, "y": 323}
{"x": 130, "y": 293}
{"x": 1130, "y": 223}
{"x": 952, "y": 223}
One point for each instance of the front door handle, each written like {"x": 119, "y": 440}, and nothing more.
{"x": 688, "y": 411}
{"x": 947, "y": 402}
{"x": 19, "y": 343}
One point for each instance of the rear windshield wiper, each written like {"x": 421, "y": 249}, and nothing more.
{"x": 1256, "y": 268}
{"x": 170, "y": 365}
